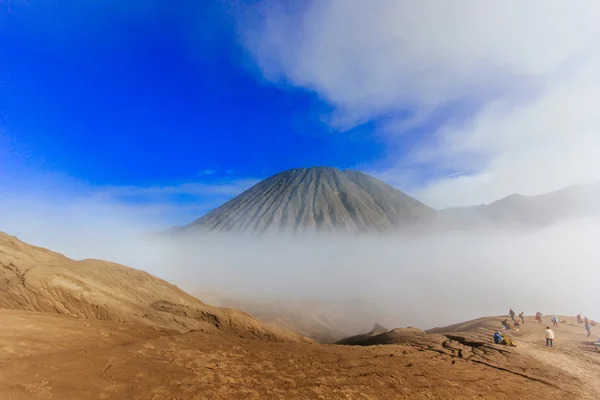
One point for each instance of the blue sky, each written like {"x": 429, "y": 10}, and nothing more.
{"x": 144, "y": 96}
{"x": 181, "y": 105}
{"x": 121, "y": 116}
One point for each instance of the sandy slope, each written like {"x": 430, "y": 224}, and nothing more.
{"x": 573, "y": 366}
{"x": 96, "y": 330}
{"x": 574, "y": 357}
{"x": 48, "y": 356}
{"x": 36, "y": 279}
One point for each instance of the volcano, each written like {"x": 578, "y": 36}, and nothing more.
{"x": 316, "y": 200}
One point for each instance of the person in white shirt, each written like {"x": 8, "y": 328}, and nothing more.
{"x": 549, "y": 337}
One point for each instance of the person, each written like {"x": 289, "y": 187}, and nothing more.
{"x": 538, "y": 316}
{"x": 498, "y": 337}
{"x": 516, "y": 325}
{"x": 507, "y": 342}
{"x": 506, "y": 324}
{"x": 512, "y": 314}
{"x": 579, "y": 320}
{"x": 522, "y": 316}
{"x": 588, "y": 326}
{"x": 549, "y": 337}
{"x": 555, "y": 321}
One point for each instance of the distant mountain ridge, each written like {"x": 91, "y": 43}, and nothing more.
{"x": 330, "y": 200}
{"x": 318, "y": 199}
{"x": 519, "y": 210}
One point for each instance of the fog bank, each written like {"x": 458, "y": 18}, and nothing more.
{"x": 427, "y": 281}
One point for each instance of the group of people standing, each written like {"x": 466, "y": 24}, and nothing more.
{"x": 513, "y": 314}
{"x": 500, "y": 338}
{"x": 515, "y": 324}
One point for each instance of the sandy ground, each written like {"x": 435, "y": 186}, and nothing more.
{"x": 572, "y": 365}
{"x": 45, "y": 356}
{"x": 97, "y": 330}
{"x": 574, "y": 353}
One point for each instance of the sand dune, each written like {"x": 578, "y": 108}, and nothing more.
{"x": 36, "y": 279}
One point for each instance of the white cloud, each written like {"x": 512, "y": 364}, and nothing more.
{"x": 42, "y": 207}
{"x": 538, "y": 147}
{"x": 207, "y": 172}
{"x": 227, "y": 188}
{"x": 523, "y": 76}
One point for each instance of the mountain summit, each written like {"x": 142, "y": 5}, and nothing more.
{"x": 318, "y": 199}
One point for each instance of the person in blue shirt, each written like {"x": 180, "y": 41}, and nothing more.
{"x": 498, "y": 337}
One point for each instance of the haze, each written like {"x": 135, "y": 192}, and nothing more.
{"x": 456, "y": 105}
{"x": 427, "y": 280}
{"x": 463, "y": 137}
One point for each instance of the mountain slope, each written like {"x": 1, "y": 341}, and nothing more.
{"x": 519, "y": 210}
{"x": 36, "y": 279}
{"x": 318, "y": 199}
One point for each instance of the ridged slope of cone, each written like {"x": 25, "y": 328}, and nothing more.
{"x": 318, "y": 199}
